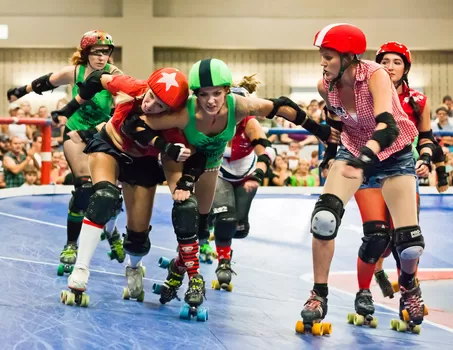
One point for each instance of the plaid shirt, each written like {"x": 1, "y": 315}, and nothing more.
{"x": 355, "y": 134}
{"x": 11, "y": 179}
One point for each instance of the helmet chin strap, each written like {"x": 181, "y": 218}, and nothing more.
{"x": 342, "y": 70}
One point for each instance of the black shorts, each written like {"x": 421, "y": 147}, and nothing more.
{"x": 139, "y": 171}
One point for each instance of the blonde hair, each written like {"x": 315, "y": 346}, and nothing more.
{"x": 250, "y": 83}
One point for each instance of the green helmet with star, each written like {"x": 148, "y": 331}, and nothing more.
{"x": 208, "y": 73}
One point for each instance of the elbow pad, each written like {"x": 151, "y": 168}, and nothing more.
{"x": 426, "y": 135}
{"x": 42, "y": 84}
{"x": 387, "y": 136}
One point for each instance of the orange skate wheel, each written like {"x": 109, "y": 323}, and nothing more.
{"x": 395, "y": 287}
{"x": 316, "y": 329}
{"x": 406, "y": 316}
{"x": 425, "y": 310}
{"x": 326, "y": 328}
{"x": 300, "y": 328}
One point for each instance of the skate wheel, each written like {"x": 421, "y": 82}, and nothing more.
{"x": 143, "y": 271}
{"x": 215, "y": 285}
{"x": 60, "y": 270}
{"x": 85, "y": 300}
{"x": 326, "y": 328}
{"x": 184, "y": 313}
{"x": 395, "y": 287}
{"x": 401, "y": 326}
{"x": 300, "y": 328}
{"x": 71, "y": 268}
{"x": 126, "y": 295}
{"x": 425, "y": 310}
{"x": 317, "y": 329}
{"x": 350, "y": 318}
{"x": 405, "y": 315}
{"x": 141, "y": 296}
{"x": 374, "y": 322}
{"x": 417, "y": 329}
{"x": 358, "y": 320}
{"x": 70, "y": 298}
{"x": 156, "y": 288}
{"x": 103, "y": 236}
{"x": 63, "y": 296}
{"x": 393, "y": 324}
{"x": 163, "y": 262}
{"x": 230, "y": 287}
{"x": 202, "y": 314}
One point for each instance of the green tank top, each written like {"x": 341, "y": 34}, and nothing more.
{"x": 414, "y": 148}
{"x": 212, "y": 146}
{"x": 93, "y": 112}
{"x": 310, "y": 182}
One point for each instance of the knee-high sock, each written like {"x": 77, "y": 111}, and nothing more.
{"x": 88, "y": 241}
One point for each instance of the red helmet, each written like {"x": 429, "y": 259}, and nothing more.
{"x": 394, "y": 47}
{"x": 171, "y": 86}
{"x": 342, "y": 37}
{"x": 96, "y": 37}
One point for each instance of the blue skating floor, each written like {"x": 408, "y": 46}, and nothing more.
{"x": 273, "y": 280}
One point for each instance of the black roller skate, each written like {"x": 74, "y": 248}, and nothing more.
{"x": 364, "y": 308}
{"x": 169, "y": 290}
{"x": 194, "y": 298}
{"x": 116, "y": 245}
{"x": 412, "y": 310}
{"x": 68, "y": 258}
{"x": 312, "y": 315}
{"x": 384, "y": 283}
{"x": 224, "y": 273}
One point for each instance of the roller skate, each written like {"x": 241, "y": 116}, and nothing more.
{"x": 312, "y": 315}
{"x": 194, "y": 298}
{"x": 116, "y": 245}
{"x": 412, "y": 310}
{"x": 169, "y": 290}
{"x": 134, "y": 289}
{"x": 77, "y": 283}
{"x": 207, "y": 254}
{"x": 68, "y": 258}
{"x": 211, "y": 234}
{"x": 364, "y": 308}
{"x": 224, "y": 273}
{"x": 384, "y": 283}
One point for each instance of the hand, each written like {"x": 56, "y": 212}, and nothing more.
{"x": 325, "y": 169}
{"x": 14, "y": 94}
{"x": 351, "y": 172}
{"x": 421, "y": 169}
{"x": 58, "y": 120}
{"x": 334, "y": 136}
{"x": 251, "y": 185}
{"x": 75, "y": 137}
{"x": 31, "y": 152}
{"x": 180, "y": 195}
{"x": 183, "y": 153}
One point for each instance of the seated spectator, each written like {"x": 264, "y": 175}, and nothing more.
{"x": 14, "y": 163}
{"x": 443, "y": 124}
{"x": 301, "y": 176}
{"x": 31, "y": 176}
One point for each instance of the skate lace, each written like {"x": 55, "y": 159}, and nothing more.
{"x": 196, "y": 286}
{"x": 314, "y": 303}
{"x": 225, "y": 266}
{"x": 414, "y": 304}
{"x": 171, "y": 292}
{"x": 69, "y": 250}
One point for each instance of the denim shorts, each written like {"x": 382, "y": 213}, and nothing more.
{"x": 399, "y": 163}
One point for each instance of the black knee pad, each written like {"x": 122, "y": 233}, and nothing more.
{"x": 81, "y": 195}
{"x": 242, "y": 230}
{"x": 409, "y": 242}
{"x": 375, "y": 241}
{"x": 137, "y": 243}
{"x": 203, "y": 227}
{"x": 326, "y": 217}
{"x": 105, "y": 203}
{"x": 225, "y": 224}
{"x": 186, "y": 217}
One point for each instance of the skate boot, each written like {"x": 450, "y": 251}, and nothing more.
{"x": 169, "y": 290}
{"x": 211, "y": 234}
{"x": 116, "y": 247}
{"x": 364, "y": 308}
{"x": 207, "y": 254}
{"x": 412, "y": 310}
{"x": 77, "y": 283}
{"x": 384, "y": 283}
{"x": 312, "y": 315}
{"x": 68, "y": 258}
{"x": 194, "y": 298}
{"x": 134, "y": 289}
{"x": 224, "y": 273}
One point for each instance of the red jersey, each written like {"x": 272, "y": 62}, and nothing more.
{"x": 136, "y": 88}
{"x": 419, "y": 99}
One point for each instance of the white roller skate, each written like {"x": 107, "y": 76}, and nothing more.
{"x": 134, "y": 289}
{"x": 77, "y": 283}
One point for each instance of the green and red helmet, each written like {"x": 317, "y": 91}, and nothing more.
{"x": 96, "y": 37}
{"x": 208, "y": 73}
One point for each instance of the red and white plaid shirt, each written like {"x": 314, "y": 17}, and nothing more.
{"x": 357, "y": 132}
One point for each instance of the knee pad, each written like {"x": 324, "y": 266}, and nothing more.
{"x": 375, "y": 241}
{"x": 137, "y": 243}
{"x": 81, "y": 195}
{"x": 242, "y": 230}
{"x": 186, "y": 217}
{"x": 105, "y": 203}
{"x": 409, "y": 242}
{"x": 326, "y": 217}
{"x": 225, "y": 224}
{"x": 203, "y": 227}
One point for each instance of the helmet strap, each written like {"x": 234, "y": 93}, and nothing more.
{"x": 342, "y": 69}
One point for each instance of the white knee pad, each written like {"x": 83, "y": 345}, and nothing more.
{"x": 324, "y": 225}
{"x": 411, "y": 253}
